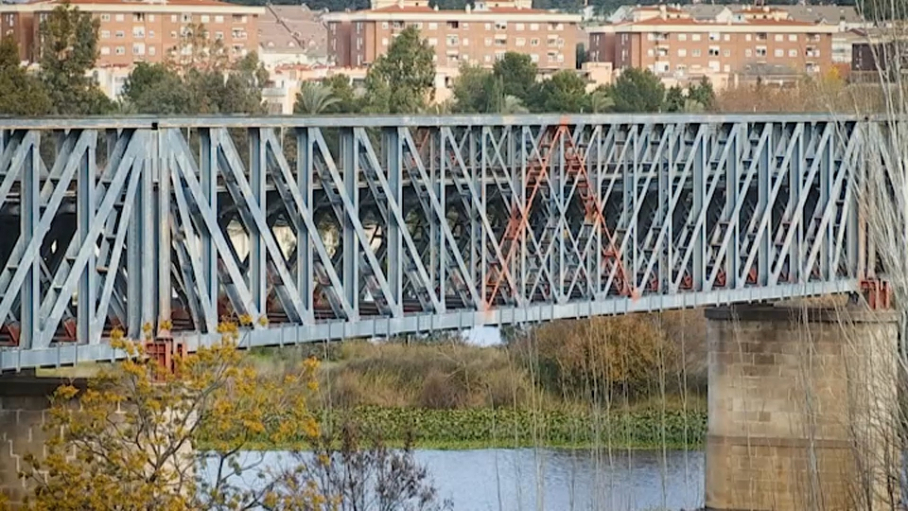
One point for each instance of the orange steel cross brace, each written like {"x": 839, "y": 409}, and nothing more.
{"x": 518, "y": 221}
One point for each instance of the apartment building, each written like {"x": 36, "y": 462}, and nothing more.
{"x": 16, "y": 21}
{"x": 477, "y": 35}
{"x": 671, "y": 43}
{"x": 143, "y": 30}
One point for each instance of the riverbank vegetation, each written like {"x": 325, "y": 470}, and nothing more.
{"x": 634, "y": 381}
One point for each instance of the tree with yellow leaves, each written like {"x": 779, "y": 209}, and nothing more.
{"x": 126, "y": 442}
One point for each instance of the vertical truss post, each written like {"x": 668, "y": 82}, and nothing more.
{"x": 135, "y": 235}
{"x": 764, "y": 207}
{"x": 258, "y": 264}
{"x": 796, "y": 178}
{"x": 164, "y": 246}
{"x": 826, "y": 200}
{"x": 852, "y": 226}
{"x": 700, "y": 166}
{"x": 436, "y": 149}
{"x": 305, "y": 280}
{"x": 395, "y": 263}
{"x": 88, "y": 282}
{"x": 30, "y": 216}
{"x": 208, "y": 168}
{"x": 732, "y": 184}
{"x": 147, "y": 225}
{"x": 350, "y": 250}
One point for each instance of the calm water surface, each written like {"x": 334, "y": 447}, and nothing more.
{"x": 562, "y": 480}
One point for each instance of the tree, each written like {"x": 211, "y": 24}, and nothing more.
{"x": 198, "y": 51}
{"x": 21, "y": 94}
{"x": 242, "y": 92}
{"x": 600, "y": 100}
{"x": 314, "y": 99}
{"x": 477, "y": 90}
{"x": 128, "y": 445}
{"x": 638, "y": 91}
{"x": 564, "y": 92}
{"x": 158, "y": 89}
{"x": 703, "y": 93}
{"x": 341, "y": 89}
{"x": 517, "y": 74}
{"x": 403, "y": 78}
{"x": 674, "y": 99}
{"x": 68, "y": 52}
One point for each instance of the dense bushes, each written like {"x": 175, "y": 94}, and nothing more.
{"x": 522, "y": 427}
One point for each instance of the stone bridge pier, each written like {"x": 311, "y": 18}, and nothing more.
{"x": 802, "y": 409}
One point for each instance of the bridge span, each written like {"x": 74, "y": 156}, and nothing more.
{"x": 333, "y": 227}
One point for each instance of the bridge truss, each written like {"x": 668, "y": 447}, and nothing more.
{"x": 307, "y": 229}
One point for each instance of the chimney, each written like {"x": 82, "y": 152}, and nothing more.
{"x": 469, "y": 8}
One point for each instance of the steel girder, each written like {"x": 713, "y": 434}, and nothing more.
{"x": 311, "y": 229}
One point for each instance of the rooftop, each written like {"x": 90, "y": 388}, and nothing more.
{"x": 292, "y": 28}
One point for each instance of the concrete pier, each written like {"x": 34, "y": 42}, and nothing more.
{"x": 802, "y": 403}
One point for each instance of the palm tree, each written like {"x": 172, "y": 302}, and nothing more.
{"x": 600, "y": 101}
{"x": 313, "y": 99}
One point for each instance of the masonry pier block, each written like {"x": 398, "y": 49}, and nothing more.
{"x": 802, "y": 408}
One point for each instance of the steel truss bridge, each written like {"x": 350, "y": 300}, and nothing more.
{"x": 323, "y": 228}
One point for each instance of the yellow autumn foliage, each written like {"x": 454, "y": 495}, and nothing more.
{"x": 126, "y": 441}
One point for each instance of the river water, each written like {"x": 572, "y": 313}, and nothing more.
{"x": 561, "y": 479}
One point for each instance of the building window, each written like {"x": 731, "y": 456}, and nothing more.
{"x": 151, "y": 17}
{"x": 534, "y": 58}
{"x": 649, "y": 52}
{"x": 239, "y": 18}
{"x": 779, "y": 52}
{"x": 488, "y": 58}
{"x": 780, "y": 38}
{"x": 205, "y": 18}
{"x": 138, "y": 49}
{"x": 432, "y": 41}
{"x": 105, "y": 50}
{"x": 139, "y": 16}
{"x": 173, "y": 18}
{"x": 552, "y": 40}
{"x": 465, "y": 42}
{"x": 499, "y": 55}
{"x": 713, "y": 36}
{"x": 218, "y": 36}
{"x": 682, "y": 37}
{"x": 384, "y": 41}
{"x": 682, "y": 52}
{"x": 727, "y": 37}
{"x": 534, "y": 42}
{"x": 218, "y": 19}
{"x": 453, "y": 25}
{"x": 501, "y": 25}
{"x": 186, "y": 18}
{"x": 384, "y": 25}
{"x": 501, "y": 40}
{"x": 793, "y": 37}
{"x": 151, "y": 50}
{"x": 453, "y": 40}
{"x": 747, "y": 52}
{"x": 138, "y": 32}
{"x": 519, "y": 26}
{"x": 433, "y": 26}
{"x": 695, "y": 37}
{"x": 761, "y": 36}
{"x": 792, "y": 53}
{"x": 727, "y": 53}
{"x": 521, "y": 41}
{"x": 238, "y": 33}
{"x": 488, "y": 41}
{"x": 121, "y": 50}
{"x": 534, "y": 26}
{"x": 396, "y": 25}
{"x": 761, "y": 51}
{"x": 695, "y": 53}
{"x": 173, "y": 34}
{"x": 151, "y": 34}
{"x": 488, "y": 26}
{"x": 812, "y": 68}
{"x": 713, "y": 51}
{"x": 811, "y": 52}
{"x": 105, "y": 34}
{"x": 120, "y": 34}
{"x": 119, "y": 17}
{"x": 465, "y": 26}
{"x": 105, "y": 17}
{"x": 747, "y": 37}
